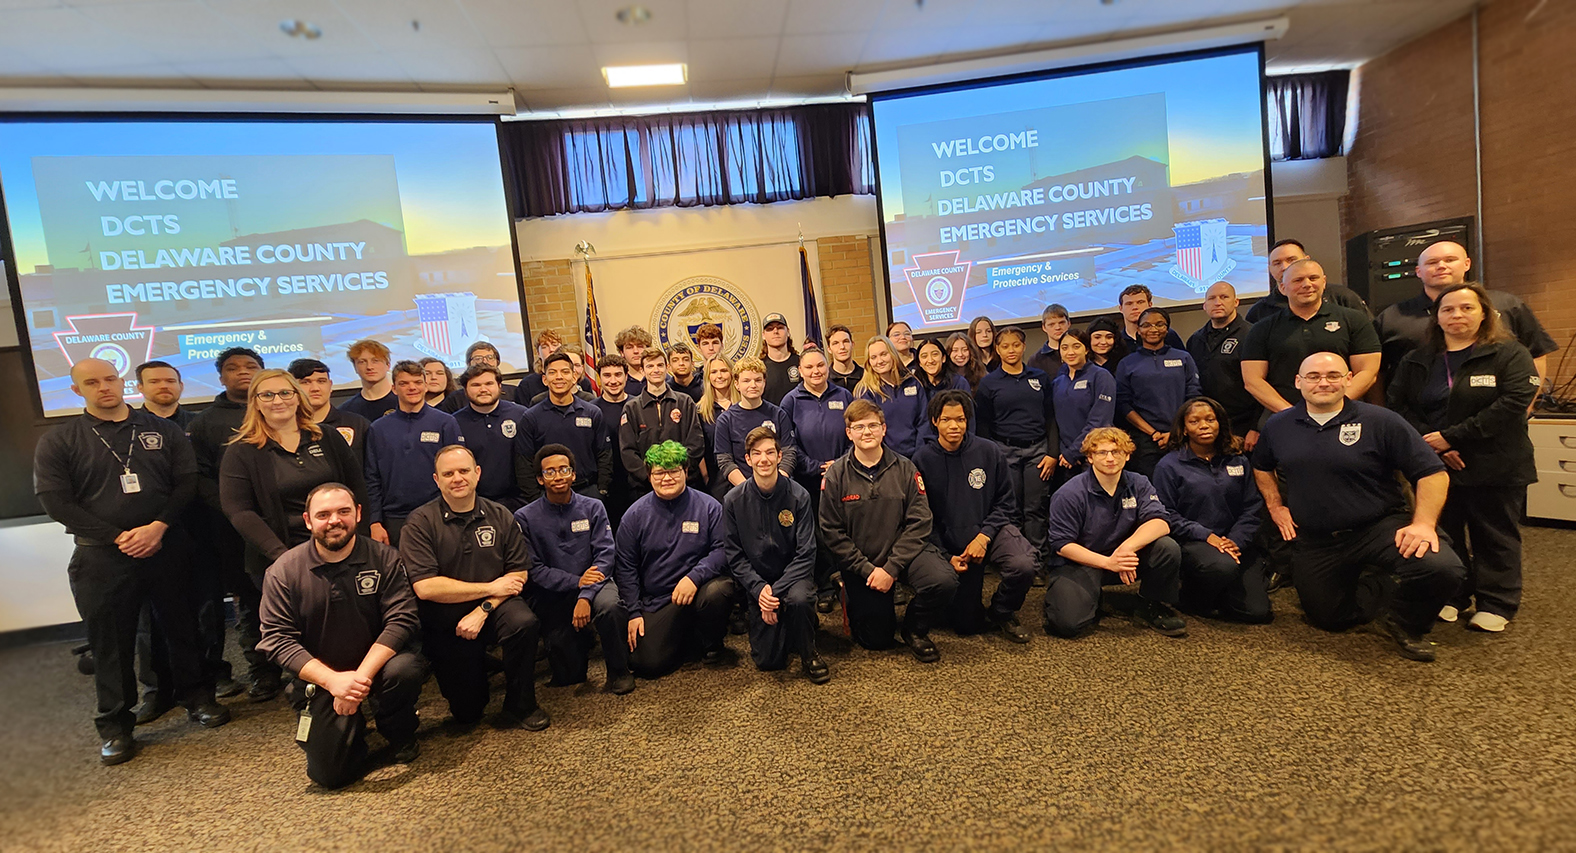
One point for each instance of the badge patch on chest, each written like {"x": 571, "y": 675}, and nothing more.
{"x": 1080, "y": 385}
{"x": 1129, "y": 503}
{"x": 785, "y": 518}
{"x": 675, "y": 415}
{"x": 509, "y": 429}
{"x": 580, "y": 525}
{"x": 1333, "y": 326}
{"x": 1350, "y": 433}
{"x": 367, "y": 582}
{"x": 1228, "y": 346}
{"x": 793, "y": 373}
{"x": 151, "y": 440}
{"x": 486, "y": 536}
{"x": 430, "y": 438}
{"x": 835, "y": 405}
{"x": 690, "y": 527}
{"x": 1235, "y": 470}
{"x": 1486, "y": 381}
{"x": 1035, "y": 384}
{"x": 347, "y": 433}
{"x": 769, "y": 425}
{"x": 977, "y": 479}
{"x": 910, "y": 391}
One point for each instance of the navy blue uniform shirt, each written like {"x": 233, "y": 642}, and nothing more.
{"x": 1215, "y": 496}
{"x": 660, "y": 541}
{"x": 371, "y": 409}
{"x": 578, "y": 426}
{"x": 904, "y": 407}
{"x": 400, "y": 452}
{"x": 1015, "y": 408}
{"x": 1082, "y": 512}
{"x": 818, "y": 425}
{"x": 736, "y": 423}
{"x": 566, "y": 540}
{"x": 770, "y": 538}
{"x": 490, "y": 438}
{"x": 1082, "y": 402}
{"x": 1154, "y": 383}
{"x": 969, "y": 489}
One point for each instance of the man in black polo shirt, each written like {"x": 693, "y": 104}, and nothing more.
{"x": 659, "y": 414}
{"x": 161, "y": 388}
{"x": 1275, "y": 347}
{"x": 338, "y": 613}
{"x": 1404, "y": 326}
{"x": 1343, "y": 509}
{"x": 1217, "y": 350}
{"x": 119, "y": 480}
{"x": 1282, "y": 255}
{"x": 468, "y": 561}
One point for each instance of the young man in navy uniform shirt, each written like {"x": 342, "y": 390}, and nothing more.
{"x": 571, "y": 566}
{"x": 771, "y": 552}
{"x": 563, "y": 418}
{"x": 468, "y": 562}
{"x": 490, "y": 427}
{"x": 971, "y": 519}
{"x": 672, "y": 568}
{"x": 338, "y": 613}
{"x": 119, "y": 480}
{"x": 400, "y": 453}
{"x": 614, "y": 373}
{"x": 1343, "y": 509}
{"x": 1014, "y": 408}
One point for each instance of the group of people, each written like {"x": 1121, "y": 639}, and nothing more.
{"x": 653, "y": 499}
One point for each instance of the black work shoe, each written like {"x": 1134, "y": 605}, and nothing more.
{"x": 265, "y": 688}
{"x": 117, "y": 750}
{"x": 209, "y": 715}
{"x": 536, "y": 720}
{"x": 825, "y": 603}
{"x": 1412, "y": 646}
{"x": 224, "y": 688}
{"x": 1278, "y": 579}
{"x": 406, "y": 752}
{"x": 737, "y": 625}
{"x": 1041, "y": 578}
{"x": 621, "y": 685}
{"x": 1010, "y": 629}
{"x": 924, "y": 650}
{"x": 816, "y": 670}
{"x": 151, "y": 708}
{"x": 1161, "y": 617}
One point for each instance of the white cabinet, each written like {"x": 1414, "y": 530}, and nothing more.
{"x": 1554, "y": 448}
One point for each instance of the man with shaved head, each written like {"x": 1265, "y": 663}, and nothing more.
{"x": 119, "y": 480}
{"x": 1403, "y": 327}
{"x": 1282, "y": 255}
{"x": 1326, "y": 468}
{"x": 1217, "y": 350}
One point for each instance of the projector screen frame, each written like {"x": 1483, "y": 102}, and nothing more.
{"x": 1255, "y": 47}
{"x": 13, "y": 281}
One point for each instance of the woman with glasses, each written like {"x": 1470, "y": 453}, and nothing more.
{"x": 1215, "y": 506}
{"x": 902, "y": 338}
{"x": 1150, "y": 386}
{"x": 1467, "y": 390}
{"x": 277, "y": 457}
{"x": 890, "y": 385}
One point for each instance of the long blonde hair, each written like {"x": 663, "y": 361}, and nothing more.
{"x": 254, "y": 429}
{"x": 708, "y": 397}
{"x": 871, "y": 382}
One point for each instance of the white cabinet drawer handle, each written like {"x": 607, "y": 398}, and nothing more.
{"x": 1568, "y": 441}
{"x": 1568, "y": 490}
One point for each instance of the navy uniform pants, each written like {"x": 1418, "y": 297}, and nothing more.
{"x": 872, "y": 615}
{"x": 675, "y": 633}
{"x": 1485, "y": 525}
{"x": 1032, "y": 493}
{"x": 1072, "y": 595}
{"x": 461, "y": 666}
{"x": 1014, "y": 558}
{"x": 1213, "y": 584}
{"x": 1336, "y": 594}
{"x": 568, "y": 648}
{"x": 336, "y": 744}
{"x": 794, "y": 633}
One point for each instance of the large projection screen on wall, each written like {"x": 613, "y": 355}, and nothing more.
{"x": 1001, "y": 196}
{"x": 172, "y": 239}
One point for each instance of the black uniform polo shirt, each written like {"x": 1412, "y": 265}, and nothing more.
{"x": 1341, "y": 476}
{"x": 1284, "y": 340}
{"x": 334, "y": 612}
{"x": 479, "y": 546}
{"x": 71, "y": 458}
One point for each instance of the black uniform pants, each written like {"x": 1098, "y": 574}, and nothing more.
{"x": 872, "y": 615}
{"x": 569, "y": 649}
{"x": 461, "y": 666}
{"x": 1215, "y": 584}
{"x": 153, "y": 658}
{"x": 1011, "y": 555}
{"x": 1147, "y": 453}
{"x": 1485, "y": 526}
{"x": 824, "y": 566}
{"x": 109, "y": 589}
{"x": 1072, "y": 595}
{"x": 393, "y": 526}
{"x": 794, "y": 633}
{"x": 1336, "y": 594}
{"x": 674, "y": 633}
{"x": 336, "y": 744}
{"x": 1032, "y": 493}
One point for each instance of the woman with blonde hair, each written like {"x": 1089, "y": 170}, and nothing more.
{"x": 277, "y": 457}
{"x": 720, "y": 395}
{"x": 890, "y": 385}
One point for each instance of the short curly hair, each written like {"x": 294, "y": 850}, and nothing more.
{"x": 1112, "y": 435}
{"x": 668, "y": 454}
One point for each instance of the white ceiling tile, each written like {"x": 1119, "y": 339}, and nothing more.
{"x": 349, "y": 68}
{"x": 732, "y": 59}
{"x": 654, "y": 96}
{"x": 902, "y": 14}
{"x": 995, "y": 38}
{"x": 511, "y": 23}
{"x": 816, "y": 85}
{"x": 155, "y": 76}
{"x": 753, "y": 89}
{"x": 411, "y": 25}
{"x": 818, "y": 54}
{"x": 177, "y": 32}
{"x": 600, "y": 17}
{"x": 29, "y": 4}
{"x": 269, "y": 70}
{"x": 75, "y": 41}
{"x": 640, "y": 53}
{"x": 259, "y": 20}
{"x": 555, "y": 99}
{"x": 458, "y": 65}
{"x": 1028, "y": 13}
{"x": 551, "y": 67}
{"x": 807, "y": 17}
{"x": 733, "y": 18}
{"x": 902, "y": 46}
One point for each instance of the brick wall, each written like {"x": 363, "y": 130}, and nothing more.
{"x": 550, "y": 288}
{"x": 847, "y": 289}
{"x": 1412, "y": 159}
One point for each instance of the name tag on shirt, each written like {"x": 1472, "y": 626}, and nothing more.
{"x": 1173, "y": 362}
{"x": 835, "y": 405}
{"x": 1488, "y": 381}
{"x": 1080, "y": 385}
{"x": 315, "y": 450}
{"x": 430, "y": 438}
{"x": 580, "y": 525}
{"x": 910, "y": 391}
{"x": 1129, "y": 503}
{"x": 583, "y": 422}
{"x": 129, "y": 485}
{"x": 769, "y": 425}
{"x": 691, "y": 527}
{"x": 1235, "y": 470}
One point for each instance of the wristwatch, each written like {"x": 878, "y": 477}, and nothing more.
{"x": 487, "y": 607}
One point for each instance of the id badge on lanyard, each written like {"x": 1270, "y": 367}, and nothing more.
{"x": 129, "y": 484}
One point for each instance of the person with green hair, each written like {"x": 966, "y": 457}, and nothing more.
{"x": 671, "y": 569}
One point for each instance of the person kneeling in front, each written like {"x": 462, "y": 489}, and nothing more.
{"x": 337, "y": 613}
{"x": 1108, "y": 523}
{"x": 771, "y": 552}
{"x": 875, "y": 522}
{"x": 468, "y": 563}
{"x": 572, "y": 559}
{"x": 671, "y": 569}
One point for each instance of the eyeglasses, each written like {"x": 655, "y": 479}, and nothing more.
{"x": 1152, "y": 325}
{"x": 270, "y": 396}
{"x": 1112, "y": 452}
{"x": 863, "y": 428}
{"x": 1327, "y": 377}
{"x": 560, "y": 471}
{"x": 667, "y": 474}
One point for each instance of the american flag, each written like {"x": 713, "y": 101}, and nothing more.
{"x": 595, "y": 348}
{"x": 434, "y": 316}
{"x": 1189, "y": 244}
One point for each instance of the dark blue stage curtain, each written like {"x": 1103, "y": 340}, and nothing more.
{"x": 1307, "y": 114}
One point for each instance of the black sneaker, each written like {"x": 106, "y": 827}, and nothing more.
{"x": 816, "y": 670}
{"x": 924, "y": 650}
{"x": 1412, "y": 646}
{"x": 621, "y": 684}
{"x": 406, "y": 752}
{"x": 1161, "y": 617}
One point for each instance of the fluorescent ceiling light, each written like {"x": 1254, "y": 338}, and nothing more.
{"x": 622, "y": 76}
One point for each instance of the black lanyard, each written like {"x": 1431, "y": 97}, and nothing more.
{"x": 125, "y": 464}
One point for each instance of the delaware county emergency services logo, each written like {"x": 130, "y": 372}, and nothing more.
{"x": 1350, "y": 433}
{"x": 115, "y": 338}
{"x": 977, "y": 479}
{"x": 1228, "y": 346}
{"x": 151, "y": 440}
{"x": 486, "y": 536}
{"x": 508, "y": 428}
{"x": 707, "y": 300}
{"x": 347, "y": 433}
{"x": 785, "y": 518}
{"x": 367, "y": 582}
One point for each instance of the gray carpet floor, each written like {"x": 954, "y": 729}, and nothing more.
{"x": 1274, "y": 737}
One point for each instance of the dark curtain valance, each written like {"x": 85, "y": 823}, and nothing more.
{"x": 688, "y": 159}
{"x": 1307, "y": 114}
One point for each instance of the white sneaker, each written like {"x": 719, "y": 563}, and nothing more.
{"x": 1449, "y": 614}
{"x": 1490, "y": 622}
